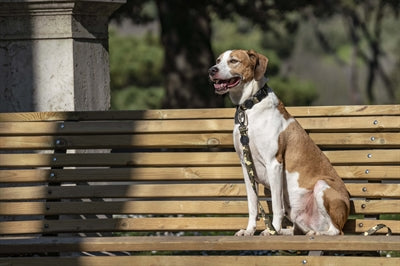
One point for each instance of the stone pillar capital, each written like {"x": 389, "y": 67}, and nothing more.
{"x": 54, "y": 54}
{"x": 42, "y": 19}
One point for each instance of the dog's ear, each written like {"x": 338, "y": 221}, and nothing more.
{"x": 260, "y": 62}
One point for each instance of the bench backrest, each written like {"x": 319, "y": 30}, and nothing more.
{"x": 175, "y": 170}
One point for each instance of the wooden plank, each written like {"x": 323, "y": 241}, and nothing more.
{"x": 123, "y": 225}
{"x": 171, "y": 159}
{"x": 170, "y": 207}
{"x": 121, "y": 159}
{"x": 124, "y": 191}
{"x": 200, "y": 140}
{"x": 372, "y": 190}
{"x": 160, "y": 207}
{"x": 369, "y": 172}
{"x": 324, "y": 124}
{"x": 122, "y": 174}
{"x": 354, "y": 172}
{"x": 169, "y": 243}
{"x": 168, "y": 260}
{"x": 350, "y": 124}
{"x": 116, "y": 127}
{"x": 368, "y": 190}
{"x": 359, "y": 140}
{"x": 376, "y": 206}
{"x": 378, "y": 156}
{"x": 353, "y": 110}
{"x": 160, "y": 224}
{"x": 360, "y": 226}
{"x": 357, "y": 110}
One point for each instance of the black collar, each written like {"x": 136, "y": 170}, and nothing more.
{"x": 250, "y": 102}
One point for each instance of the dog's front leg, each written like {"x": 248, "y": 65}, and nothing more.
{"x": 252, "y": 205}
{"x": 275, "y": 176}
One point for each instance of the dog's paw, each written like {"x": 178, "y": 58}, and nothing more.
{"x": 312, "y": 233}
{"x": 243, "y": 232}
{"x": 265, "y": 233}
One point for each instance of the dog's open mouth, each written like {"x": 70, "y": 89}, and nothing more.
{"x": 223, "y": 85}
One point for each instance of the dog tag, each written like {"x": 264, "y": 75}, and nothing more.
{"x": 244, "y": 140}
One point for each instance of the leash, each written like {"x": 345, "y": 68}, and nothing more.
{"x": 376, "y": 228}
{"x": 241, "y": 119}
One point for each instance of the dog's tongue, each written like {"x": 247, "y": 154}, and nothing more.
{"x": 226, "y": 84}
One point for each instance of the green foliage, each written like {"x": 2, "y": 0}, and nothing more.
{"x": 137, "y": 98}
{"x": 136, "y": 64}
{"x": 293, "y": 91}
{"x": 135, "y": 60}
{"x": 136, "y": 72}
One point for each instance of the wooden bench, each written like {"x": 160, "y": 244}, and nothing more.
{"x": 164, "y": 187}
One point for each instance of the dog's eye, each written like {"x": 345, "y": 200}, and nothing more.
{"x": 233, "y": 61}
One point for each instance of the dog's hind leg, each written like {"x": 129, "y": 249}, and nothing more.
{"x": 331, "y": 214}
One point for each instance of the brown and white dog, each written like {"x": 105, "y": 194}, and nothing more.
{"x": 304, "y": 186}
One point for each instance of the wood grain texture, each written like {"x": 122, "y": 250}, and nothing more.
{"x": 169, "y": 207}
{"x": 51, "y": 244}
{"x": 199, "y": 140}
{"x": 164, "y": 159}
{"x": 310, "y": 111}
{"x": 205, "y": 173}
{"x": 202, "y": 260}
{"x": 169, "y": 191}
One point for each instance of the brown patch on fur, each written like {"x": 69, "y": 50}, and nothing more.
{"x": 335, "y": 203}
{"x": 250, "y": 65}
{"x": 283, "y": 111}
{"x": 300, "y": 154}
{"x": 261, "y": 64}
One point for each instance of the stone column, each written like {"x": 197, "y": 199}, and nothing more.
{"x": 54, "y": 55}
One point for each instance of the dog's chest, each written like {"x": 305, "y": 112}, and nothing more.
{"x": 264, "y": 125}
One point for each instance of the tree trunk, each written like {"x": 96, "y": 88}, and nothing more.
{"x": 186, "y": 36}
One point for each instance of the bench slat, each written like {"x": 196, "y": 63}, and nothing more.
{"x": 113, "y": 127}
{"x": 199, "y": 260}
{"x": 368, "y": 190}
{"x": 52, "y": 244}
{"x": 304, "y": 111}
{"x": 203, "y": 140}
{"x": 161, "y": 224}
{"x": 381, "y": 156}
{"x": 364, "y": 172}
{"x": 335, "y": 124}
{"x": 349, "y": 124}
{"x": 216, "y": 207}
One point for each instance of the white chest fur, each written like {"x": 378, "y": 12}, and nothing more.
{"x": 265, "y": 123}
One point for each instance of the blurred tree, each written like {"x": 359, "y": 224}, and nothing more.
{"x": 186, "y": 37}
{"x": 363, "y": 20}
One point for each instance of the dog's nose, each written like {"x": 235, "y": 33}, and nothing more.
{"x": 213, "y": 70}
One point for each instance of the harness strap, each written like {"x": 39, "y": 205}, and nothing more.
{"x": 241, "y": 118}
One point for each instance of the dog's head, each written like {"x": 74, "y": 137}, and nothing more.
{"x": 235, "y": 68}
